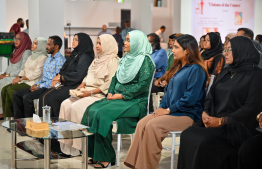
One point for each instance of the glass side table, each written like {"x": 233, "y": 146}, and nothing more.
{"x": 18, "y": 126}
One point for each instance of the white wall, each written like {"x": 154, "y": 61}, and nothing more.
{"x": 3, "y": 60}
{"x": 93, "y": 14}
{"x": 185, "y": 24}
{"x": 161, "y": 16}
{"x": 16, "y": 9}
{"x": 258, "y": 17}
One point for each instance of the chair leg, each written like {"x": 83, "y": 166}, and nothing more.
{"x": 131, "y": 137}
{"x": 118, "y": 150}
{"x": 173, "y": 151}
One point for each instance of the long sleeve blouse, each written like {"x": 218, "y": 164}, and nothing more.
{"x": 138, "y": 87}
{"x": 33, "y": 70}
{"x": 14, "y": 69}
{"x": 185, "y": 93}
{"x": 160, "y": 59}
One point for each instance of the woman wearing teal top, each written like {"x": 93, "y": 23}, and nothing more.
{"x": 126, "y": 101}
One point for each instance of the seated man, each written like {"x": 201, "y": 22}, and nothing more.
{"x": 159, "y": 57}
{"x": 23, "y": 105}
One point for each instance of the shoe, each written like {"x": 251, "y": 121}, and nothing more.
{"x": 92, "y": 161}
{"x": 1, "y": 117}
{"x": 102, "y": 166}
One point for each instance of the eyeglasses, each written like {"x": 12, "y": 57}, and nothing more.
{"x": 227, "y": 50}
{"x": 17, "y": 39}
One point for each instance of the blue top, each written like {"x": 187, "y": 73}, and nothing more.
{"x": 185, "y": 92}
{"x": 160, "y": 59}
{"x": 124, "y": 33}
{"x": 119, "y": 41}
{"x": 106, "y": 32}
{"x": 51, "y": 69}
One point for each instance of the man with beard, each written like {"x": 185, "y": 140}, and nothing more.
{"x": 16, "y": 28}
{"x": 23, "y": 104}
{"x": 250, "y": 34}
{"x": 159, "y": 57}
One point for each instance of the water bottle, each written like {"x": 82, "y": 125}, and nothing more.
{"x": 46, "y": 114}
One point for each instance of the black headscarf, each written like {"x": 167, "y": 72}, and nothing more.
{"x": 85, "y": 45}
{"x": 257, "y": 45}
{"x": 245, "y": 55}
{"x": 216, "y": 46}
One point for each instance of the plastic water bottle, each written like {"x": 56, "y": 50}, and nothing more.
{"x": 46, "y": 114}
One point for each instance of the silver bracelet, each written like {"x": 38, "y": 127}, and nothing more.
{"x": 91, "y": 93}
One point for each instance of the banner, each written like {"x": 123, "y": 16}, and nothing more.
{"x": 223, "y": 16}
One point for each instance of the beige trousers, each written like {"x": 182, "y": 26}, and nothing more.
{"x": 73, "y": 109}
{"x": 146, "y": 147}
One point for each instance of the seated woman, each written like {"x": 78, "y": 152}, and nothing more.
{"x": 162, "y": 81}
{"x": 94, "y": 87}
{"x": 71, "y": 74}
{"x": 127, "y": 98}
{"x": 201, "y": 44}
{"x": 249, "y": 154}
{"x": 229, "y": 113}
{"x": 214, "y": 60}
{"x": 31, "y": 73}
{"x": 181, "y": 105}
{"x": 17, "y": 62}
{"x": 160, "y": 59}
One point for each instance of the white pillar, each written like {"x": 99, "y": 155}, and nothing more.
{"x": 186, "y": 11}
{"x": 46, "y": 18}
{"x": 3, "y": 60}
{"x": 258, "y": 18}
{"x": 141, "y": 15}
{"x": 175, "y": 13}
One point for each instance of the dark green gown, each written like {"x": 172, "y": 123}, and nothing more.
{"x": 127, "y": 112}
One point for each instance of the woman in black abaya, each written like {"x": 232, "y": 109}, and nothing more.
{"x": 214, "y": 60}
{"x": 229, "y": 115}
{"x": 71, "y": 74}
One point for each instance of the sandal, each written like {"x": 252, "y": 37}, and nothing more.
{"x": 102, "y": 165}
{"x": 92, "y": 161}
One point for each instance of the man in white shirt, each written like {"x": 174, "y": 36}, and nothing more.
{"x": 160, "y": 33}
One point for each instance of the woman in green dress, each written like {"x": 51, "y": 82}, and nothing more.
{"x": 126, "y": 101}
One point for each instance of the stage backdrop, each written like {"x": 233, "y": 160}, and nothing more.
{"x": 223, "y": 16}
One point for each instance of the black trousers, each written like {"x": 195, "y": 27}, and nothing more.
{"x": 23, "y": 102}
{"x": 154, "y": 89}
{"x": 54, "y": 97}
{"x": 250, "y": 153}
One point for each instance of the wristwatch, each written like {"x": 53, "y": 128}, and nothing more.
{"x": 21, "y": 78}
{"x": 91, "y": 93}
{"x": 168, "y": 110}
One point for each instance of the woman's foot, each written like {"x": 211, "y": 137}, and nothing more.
{"x": 101, "y": 164}
{"x": 91, "y": 161}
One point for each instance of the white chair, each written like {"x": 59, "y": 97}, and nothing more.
{"x": 119, "y": 141}
{"x": 156, "y": 102}
{"x": 156, "y": 98}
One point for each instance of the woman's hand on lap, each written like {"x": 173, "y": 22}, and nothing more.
{"x": 85, "y": 94}
{"x": 160, "y": 112}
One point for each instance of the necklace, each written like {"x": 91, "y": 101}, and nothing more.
{"x": 232, "y": 75}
